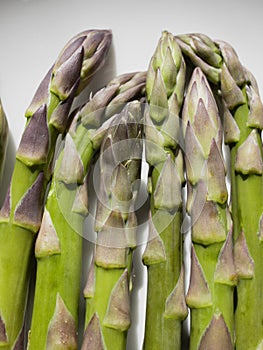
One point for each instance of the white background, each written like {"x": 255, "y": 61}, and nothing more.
{"x": 32, "y": 32}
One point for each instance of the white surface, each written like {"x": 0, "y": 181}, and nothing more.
{"x": 33, "y": 32}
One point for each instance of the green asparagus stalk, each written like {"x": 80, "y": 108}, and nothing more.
{"x": 213, "y": 275}
{"x": 107, "y": 291}
{"x": 21, "y": 213}
{"x": 243, "y": 122}
{"x": 166, "y": 306}
{"x": 244, "y": 110}
{"x": 59, "y": 243}
{"x": 4, "y": 130}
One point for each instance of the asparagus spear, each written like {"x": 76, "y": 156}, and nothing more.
{"x": 3, "y": 138}
{"x": 243, "y": 122}
{"x": 22, "y": 210}
{"x": 213, "y": 275}
{"x": 107, "y": 291}
{"x": 166, "y": 306}
{"x": 59, "y": 244}
{"x": 244, "y": 109}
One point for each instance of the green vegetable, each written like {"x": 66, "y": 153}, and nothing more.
{"x": 21, "y": 214}
{"x": 242, "y": 112}
{"x": 163, "y": 255}
{"x": 213, "y": 275}
{"x": 107, "y": 291}
{"x": 59, "y": 244}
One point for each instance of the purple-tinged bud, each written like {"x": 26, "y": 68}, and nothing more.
{"x": 93, "y": 339}
{"x": 41, "y": 96}
{"x": 62, "y": 328}
{"x": 249, "y": 157}
{"x": 216, "y": 182}
{"x": 194, "y": 156}
{"x": 185, "y": 43}
{"x": 111, "y": 245}
{"x": 171, "y": 126}
{"x": 80, "y": 204}
{"x": 206, "y": 49}
{"x": 204, "y": 127}
{"x": 225, "y": 272}
{"x": 155, "y": 152}
{"x": 121, "y": 188}
{"x": 96, "y": 49}
{"x": 200, "y": 109}
{"x": 66, "y": 76}
{"x": 91, "y": 113}
{"x": 243, "y": 261}
{"x": 70, "y": 49}
{"x": 47, "y": 242}
{"x": 231, "y": 92}
{"x": 175, "y": 305}
{"x": 118, "y": 310}
{"x": 231, "y": 129}
{"x": 169, "y": 71}
{"x": 94, "y": 45}
{"x": 60, "y": 117}
{"x": 167, "y": 194}
{"x": 28, "y": 213}
{"x": 207, "y": 222}
{"x": 34, "y": 144}
{"x": 71, "y": 169}
{"x": 155, "y": 251}
{"x": 255, "y": 116}
{"x": 232, "y": 62}
{"x": 198, "y": 295}
{"x": 217, "y": 335}
{"x": 158, "y": 100}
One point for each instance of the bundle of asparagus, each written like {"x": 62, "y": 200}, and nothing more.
{"x": 179, "y": 115}
{"x": 21, "y": 214}
{"x": 107, "y": 291}
{"x": 59, "y": 242}
{"x": 163, "y": 254}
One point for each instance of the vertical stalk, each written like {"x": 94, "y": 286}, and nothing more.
{"x": 108, "y": 286}
{"x": 244, "y": 111}
{"x": 243, "y": 122}
{"x": 166, "y": 306}
{"x": 213, "y": 276}
{"x": 59, "y": 244}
